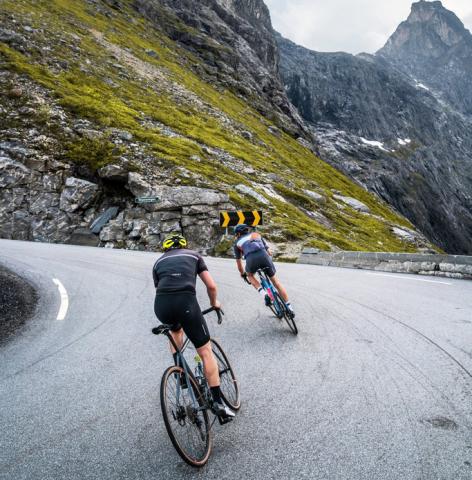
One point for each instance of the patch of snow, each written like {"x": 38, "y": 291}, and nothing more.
{"x": 374, "y": 143}
{"x": 404, "y": 141}
{"x": 423, "y": 86}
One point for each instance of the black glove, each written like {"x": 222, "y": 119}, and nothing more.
{"x": 244, "y": 275}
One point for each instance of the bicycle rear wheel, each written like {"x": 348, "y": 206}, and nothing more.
{"x": 287, "y": 315}
{"x": 228, "y": 383}
{"x": 185, "y": 418}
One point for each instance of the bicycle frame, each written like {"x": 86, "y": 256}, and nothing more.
{"x": 181, "y": 362}
{"x": 268, "y": 286}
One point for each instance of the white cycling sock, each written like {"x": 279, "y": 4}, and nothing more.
{"x": 261, "y": 291}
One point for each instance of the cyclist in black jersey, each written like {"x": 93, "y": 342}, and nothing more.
{"x": 175, "y": 274}
{"x": 254, "y": 249}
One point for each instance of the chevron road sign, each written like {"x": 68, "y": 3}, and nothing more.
{"x": 231, "y": 219}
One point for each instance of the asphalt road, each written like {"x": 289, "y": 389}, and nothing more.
{"x": 377, "y": 385}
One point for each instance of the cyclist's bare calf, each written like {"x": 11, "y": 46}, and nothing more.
{"x": 178, "y": 337}
{"x": 280, "y": 288}
{"x": 254, "y": 281}
{"x": 210, "y": 367}
{"x": 278, "y": 285}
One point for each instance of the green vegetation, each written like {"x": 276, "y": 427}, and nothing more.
{"x": 94, "y": 152}
{"x": 112, "y": 81}
{"x": 223, "y": 247}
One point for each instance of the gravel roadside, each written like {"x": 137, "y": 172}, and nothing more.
{"x": 18, "y": 300}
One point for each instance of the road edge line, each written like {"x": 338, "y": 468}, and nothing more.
{"x": 61, "y": 314}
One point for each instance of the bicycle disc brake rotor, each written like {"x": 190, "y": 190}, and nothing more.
{"x": 180, "y": 415}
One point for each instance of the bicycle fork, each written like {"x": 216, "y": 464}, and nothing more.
{"x": 267, "y": 289}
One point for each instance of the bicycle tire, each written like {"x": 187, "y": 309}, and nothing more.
{"x": 185, "y": 415}
{"x": 228, "y": 382}
{"x": 287, "y": 315}
{"x": 274, "y": 311}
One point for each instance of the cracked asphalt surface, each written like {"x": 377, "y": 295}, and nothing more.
{"x": 377, "y": 385}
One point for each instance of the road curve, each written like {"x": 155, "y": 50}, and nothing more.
{"x": 378, "y": 384}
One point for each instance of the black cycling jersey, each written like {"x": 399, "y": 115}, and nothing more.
{"x": 176, "y": 271}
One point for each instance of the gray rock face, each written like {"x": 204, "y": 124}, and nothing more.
{"x": 114, "y": 173}
{"x": 77, "y": 194}
{"x": 434, "y": 47}
{"x": 42, "y": 208}
{"x": 353, "y": 203}
{"x": 174, "y": 197}
{"x": 397, "y": 139}
{"x": 251, "y": 192}
{"x": 13, "y": 173}
{"x": 235, "y": 41}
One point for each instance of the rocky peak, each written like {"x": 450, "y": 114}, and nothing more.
{"x": 254, "y": 11}
{"x": 430, "y": 31}
{"x": 435, "y": 48}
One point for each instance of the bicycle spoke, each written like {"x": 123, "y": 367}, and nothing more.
{"x": 186, "y": 421}
{"x": 228, "y": 383}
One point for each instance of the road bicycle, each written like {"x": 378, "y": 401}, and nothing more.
{"x": 186, "y": 411}
{"x": 277, "y": 305}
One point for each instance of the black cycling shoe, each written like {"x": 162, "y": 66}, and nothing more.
{"x": 290, "y": 310}
{"x": 267, "y": 300}
{"x": 222, "y": 411}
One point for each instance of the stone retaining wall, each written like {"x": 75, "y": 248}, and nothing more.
{"x": 451, "y": 266}
{"x": 43, "y": 200}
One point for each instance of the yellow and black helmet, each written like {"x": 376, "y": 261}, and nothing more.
{"x": 175, "y": 240}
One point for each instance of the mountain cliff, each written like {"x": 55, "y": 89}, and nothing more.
{"x": 106, "y": 101}
{"x": 392, "y": 131}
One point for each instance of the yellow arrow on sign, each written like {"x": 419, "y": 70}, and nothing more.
{"x": 226, "y": 219}
{"x": 257, "y": 218}
{"x": 241, "y": 217}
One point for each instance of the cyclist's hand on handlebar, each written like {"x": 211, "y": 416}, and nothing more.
{"x": 219, "y": 311}
{"x": 244, "y": 276}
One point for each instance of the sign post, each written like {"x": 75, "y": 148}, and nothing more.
{"x": 146, "y": 200}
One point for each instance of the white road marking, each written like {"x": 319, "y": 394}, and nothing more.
{"x": 408, "y": 278}
{"x": 64, "y": 300}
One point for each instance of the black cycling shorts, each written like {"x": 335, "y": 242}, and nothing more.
{"x": 181, "y": 310}
{"x": 258, "y": 260}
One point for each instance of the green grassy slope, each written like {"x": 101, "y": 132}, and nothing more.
{"x": 98, "y": 66}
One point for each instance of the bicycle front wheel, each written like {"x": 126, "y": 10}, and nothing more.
{"x": 287, "y": 315}
{"x": 185, "y": 417}
{"x": 228, "y": 383}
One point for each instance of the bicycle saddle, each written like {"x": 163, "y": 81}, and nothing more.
{"x": 161, "y": 329}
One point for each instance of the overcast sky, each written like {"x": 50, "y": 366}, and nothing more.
{"x": 348, "y": 25}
